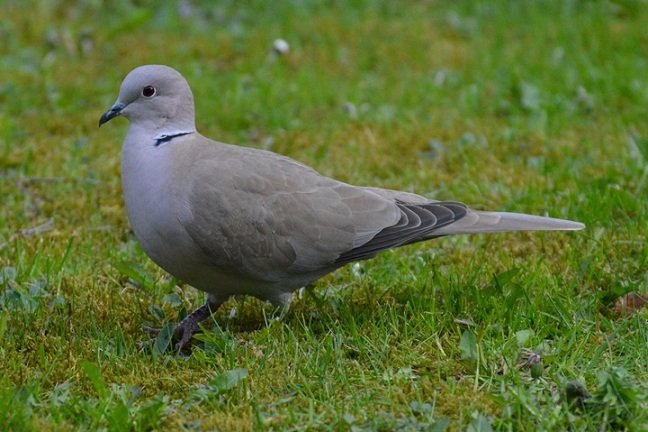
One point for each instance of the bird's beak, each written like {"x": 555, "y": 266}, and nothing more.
{"x": 113, "y": 112}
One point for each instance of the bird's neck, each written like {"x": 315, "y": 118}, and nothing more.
{"x": 150, "y": 133}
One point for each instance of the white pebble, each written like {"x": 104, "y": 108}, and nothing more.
{"x": 280, "y": 47}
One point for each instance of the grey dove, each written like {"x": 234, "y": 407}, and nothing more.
{"x": 234, "y": 220}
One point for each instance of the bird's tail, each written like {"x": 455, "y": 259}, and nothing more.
{"x": 485, "y": 222}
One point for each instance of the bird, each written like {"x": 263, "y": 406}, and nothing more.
{"x": 235, "y": 220}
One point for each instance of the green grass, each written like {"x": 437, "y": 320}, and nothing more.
{"x": 537, "y": 107}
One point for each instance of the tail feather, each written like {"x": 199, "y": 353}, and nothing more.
{"x": 486, "y": 222}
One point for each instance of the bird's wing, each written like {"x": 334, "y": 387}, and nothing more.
{"x": 417, "y": 222}
{"x": 266, "y": 215}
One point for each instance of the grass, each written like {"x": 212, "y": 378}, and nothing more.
{"x": 537, "y": 107}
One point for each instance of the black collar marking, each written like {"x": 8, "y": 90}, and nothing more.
{"x": 167, "y": 138}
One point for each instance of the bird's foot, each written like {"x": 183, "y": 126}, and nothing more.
{"x": 152, "y": 331}
{"x": 280, "y": 309}
{"x": 280, "y": 312}
{"x": 162, "y": 338}
{"x": 182, "y": 334}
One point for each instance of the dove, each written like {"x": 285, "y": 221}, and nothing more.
{"x": 233, "y": 220}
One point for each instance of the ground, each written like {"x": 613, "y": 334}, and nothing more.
{"x": 537, "y": 107}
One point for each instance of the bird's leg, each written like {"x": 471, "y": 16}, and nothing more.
{"x": 281, "y": 306}
{"x": 189, "y": 325}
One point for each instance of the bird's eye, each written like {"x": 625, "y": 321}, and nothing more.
{"x": 148, "y": 91}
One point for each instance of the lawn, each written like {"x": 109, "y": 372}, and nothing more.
{"x": 531, "y": 106}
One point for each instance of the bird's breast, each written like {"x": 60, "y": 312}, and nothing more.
{"x": 152, "y": 201}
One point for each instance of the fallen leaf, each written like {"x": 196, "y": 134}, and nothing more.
{"x": 630, "y": 303}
